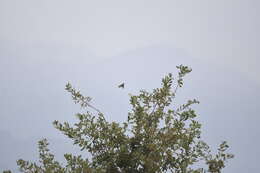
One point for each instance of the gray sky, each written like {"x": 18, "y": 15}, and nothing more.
{"x": 98, "y": 44}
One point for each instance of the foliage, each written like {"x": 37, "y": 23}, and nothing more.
{"x": 154, "y": 138}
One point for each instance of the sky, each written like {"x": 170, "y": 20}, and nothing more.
{"x": 96, "y": 45}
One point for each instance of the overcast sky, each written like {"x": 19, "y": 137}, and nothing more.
{"x": 98, "y": 44}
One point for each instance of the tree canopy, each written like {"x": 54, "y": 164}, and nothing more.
{"x": 157, "y": 136}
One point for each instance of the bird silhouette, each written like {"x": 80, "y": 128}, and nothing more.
{"x": 121, "y": 86}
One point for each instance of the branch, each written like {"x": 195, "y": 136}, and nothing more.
{"x": 79, "y": 98}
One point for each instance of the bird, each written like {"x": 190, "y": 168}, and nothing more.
{"x": 121, "y": 86}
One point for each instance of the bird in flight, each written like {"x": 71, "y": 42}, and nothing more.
{"x": 121, "y": 86}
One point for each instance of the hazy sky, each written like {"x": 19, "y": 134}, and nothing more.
{"x": 98, "y": 44}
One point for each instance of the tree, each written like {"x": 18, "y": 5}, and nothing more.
{"x": 156, "y": 137}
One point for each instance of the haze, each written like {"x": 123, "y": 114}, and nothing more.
{"x": 96, "y": 45}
